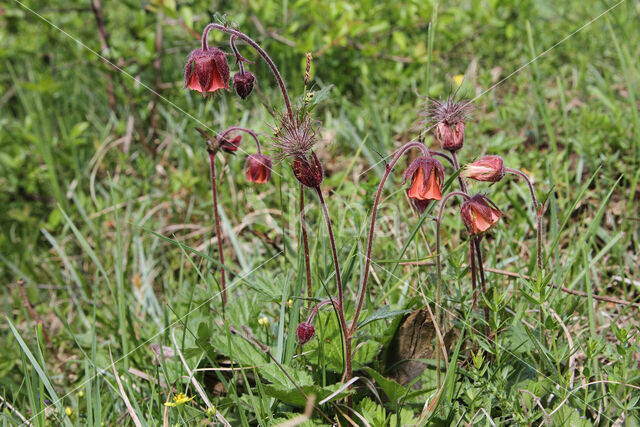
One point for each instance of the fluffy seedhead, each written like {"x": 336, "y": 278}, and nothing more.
{"x": 293, "y": 137}
{"x": 449, "y": 111}
{"x": 449, "y": 118}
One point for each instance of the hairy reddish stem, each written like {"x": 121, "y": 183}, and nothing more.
{"x": 483, "y": 284}
{"x": 374, "y": 211}
{"x": 305, "y": 242}
{"x": 212, "y": 158}
{"x": 538, "y": 210}
{"x": 439, "y": 269}
{"x": 334, "y": 254}
{"x": 254, "y": 135}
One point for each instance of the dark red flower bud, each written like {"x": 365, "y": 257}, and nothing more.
{"x": 305, "y": 332}
{"x": 258, "y": 168}
{"x": 451, "y": 137}
{"x": 206, "y": 70}
{"x": 243, "y": 82}
{"x": 230, "y": 146}
{"x": 308, "y": 170}
{"x": 427, "y": 177}
{"x": 479, "y": 214}
{"x": 488, "y": 168}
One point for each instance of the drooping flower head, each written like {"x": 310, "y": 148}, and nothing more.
{"x": 258, "y": 168}
{"x": 449, "y": 117}
{"x": 305, "y": 332}
{"x": 206, "y": 70}
{"x": 488, "y": 169}
{"x": 427, "y": 177}
{"x": 243, "y": 82}
{"x": 293, "y": 139}
{"x": 479, "y": 214}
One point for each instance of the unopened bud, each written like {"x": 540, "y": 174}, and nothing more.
{"x": 243, "y": 82}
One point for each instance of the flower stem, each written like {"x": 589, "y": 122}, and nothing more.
{"x": 456, "y": 166}
{"x": 212, "y": 158}
{"x": 537, "y": 208}
{"x": 261, "y": 52}
{"x": 336, "y": 265}
{"x": 305, "y": 242}
{"x": 472, "y": 266}
{"x": 254, "y": 135}
{"x": 374, "y": 211}
{"x": 476, "y": 242}
{"x": 439, "y": 272}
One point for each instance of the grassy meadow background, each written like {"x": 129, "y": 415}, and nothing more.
{"x": 106, "y": 211}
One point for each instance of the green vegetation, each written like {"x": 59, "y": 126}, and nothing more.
{"x": 108, "y": 248}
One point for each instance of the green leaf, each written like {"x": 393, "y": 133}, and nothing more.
{"x": 395, "y": 392}
{"x": 292, "y": 396}
{"x": 382, "y": 313}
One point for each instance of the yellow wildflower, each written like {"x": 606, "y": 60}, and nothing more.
{"x": 263, "y": 321}
{"x": 458, "y": 79}
{"x": 179, "y": 400}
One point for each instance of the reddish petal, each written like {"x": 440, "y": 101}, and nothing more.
{"x": 417, "y": 186}
{"x": 432, "y": 190}
{"x": 194, "y": 84}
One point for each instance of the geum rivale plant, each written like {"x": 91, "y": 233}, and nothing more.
{"x": 294, "y": 138}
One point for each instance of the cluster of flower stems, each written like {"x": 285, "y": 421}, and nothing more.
{"x": 207, "y": 71}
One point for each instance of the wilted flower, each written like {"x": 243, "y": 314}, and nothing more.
{"x": 216, "y": 142}
{"x": 206, "y": 70}
{"x": 258, "y": 168}
{"x": 305, "y": 332}
{"x": 230, "y": 145}
{"x": 488, "y": 168}
{"x": 308, "y": 170}
{"x": 427, "y": 177}
{"x": 479, "y": 214}
{"x": 243, "y": 82}
{"x": 449, "y": 118}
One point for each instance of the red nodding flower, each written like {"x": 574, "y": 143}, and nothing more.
{"x": 305, "y": 332}
{"x": 427, "y": 177}
{"x": 206, "y": 70}
{"x": 479, "y": 214}
{"x": 258, "y": 168}
{"x": 488, "y": 169}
